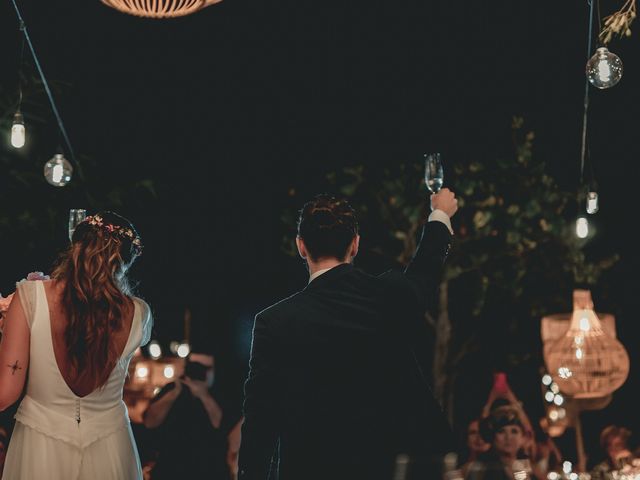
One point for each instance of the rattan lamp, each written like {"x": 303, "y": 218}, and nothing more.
{"x": 587, "y": 362}
{"x": 159, "y": 8}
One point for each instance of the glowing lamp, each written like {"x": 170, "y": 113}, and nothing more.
{"x": 586, "y": 362}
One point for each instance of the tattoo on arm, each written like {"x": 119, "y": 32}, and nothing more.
{"x": 14, "y": 367}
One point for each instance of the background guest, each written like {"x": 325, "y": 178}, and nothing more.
{"x": 504, "y": 430}
{"x": 191, "y": 441}
{"x": 614, "y": 441}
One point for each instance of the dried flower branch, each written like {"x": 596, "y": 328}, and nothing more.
{"x": 619, "y": 23}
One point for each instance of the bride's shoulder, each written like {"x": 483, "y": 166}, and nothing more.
{"x": 146, "y": 319}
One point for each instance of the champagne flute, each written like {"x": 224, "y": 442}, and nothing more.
{"x": 76, "y": 215}
{"x": 433, "y": 172}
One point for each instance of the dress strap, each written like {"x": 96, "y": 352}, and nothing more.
{"x": 29, "y": 292}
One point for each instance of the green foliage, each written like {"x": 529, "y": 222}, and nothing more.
{"x": 34, "y": 214}
{"x": 515, "y": 257}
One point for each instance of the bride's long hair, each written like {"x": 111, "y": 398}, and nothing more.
{"x": 96, "y": 294}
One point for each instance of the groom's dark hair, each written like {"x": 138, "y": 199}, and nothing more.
{"x": 327, "y": 225}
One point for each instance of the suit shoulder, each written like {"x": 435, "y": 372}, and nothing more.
{"x": 279, "y": 307}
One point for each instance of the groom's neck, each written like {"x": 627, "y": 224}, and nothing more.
{"x": 323, "y": 264}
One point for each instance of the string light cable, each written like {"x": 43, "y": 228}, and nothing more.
{"x": 54, "y": 108}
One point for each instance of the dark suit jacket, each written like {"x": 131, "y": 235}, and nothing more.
{"x": 334, "y": 389}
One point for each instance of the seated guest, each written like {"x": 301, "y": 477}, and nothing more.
{"x": 475, "y": 444}
{"x": 4, "y": 440}
{"x": 546, "y": 456}
{"x": 614, "y": 441}
{"x": 503, "y": 429}
{"x": 502, "y": 395}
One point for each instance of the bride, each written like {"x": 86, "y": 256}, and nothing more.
{"x": 71, "y": 339}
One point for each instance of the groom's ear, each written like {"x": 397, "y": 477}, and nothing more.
{"x": 302, "y": 250}
{"x": 355, "y": 245}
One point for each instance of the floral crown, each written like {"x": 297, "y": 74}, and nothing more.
{"x": 117, "y": 230}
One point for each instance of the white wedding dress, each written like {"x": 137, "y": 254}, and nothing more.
{"x": 58, "y": 435}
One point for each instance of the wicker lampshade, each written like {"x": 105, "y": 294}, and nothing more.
{"x": 587, "y": 362}
{"x": 159, "y": 8}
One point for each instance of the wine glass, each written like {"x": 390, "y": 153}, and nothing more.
{"x": 433, "y": 172}
{"x": 76, "y": 215}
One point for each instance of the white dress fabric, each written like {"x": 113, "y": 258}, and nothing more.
{"x": 58, "y": 435}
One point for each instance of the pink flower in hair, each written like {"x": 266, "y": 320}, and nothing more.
{"x": 37, "y": 276}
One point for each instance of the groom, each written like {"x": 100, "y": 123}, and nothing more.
{"x": 334, "y": 390}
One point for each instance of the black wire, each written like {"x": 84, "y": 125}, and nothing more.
{"x": 63, "y": 131}
{"x": 586, "y": 95}
{"x": 20, "y": 65}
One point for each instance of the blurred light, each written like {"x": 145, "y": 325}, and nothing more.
{"x": 173, "y": 346}
{"x": 585, "y": 324}
{"x": 553, "y": 415}
{"x": 553, "y": 476}
{"x": 573, "y": 476}
{"x": 154, "y": 350}
{"x": 18, "y": 131}
{"x": 578, "y": 340}
{"x": 558, "y": 400}
{"x": 604, "y": 69}
{"x": 169, "y": 371}
{"x": 520, "y": 475}
{"x": 582, "y": 227}
{"x": 546, "y": 379}
{"x": 554, "y": 388}
{"x": 562, "y": 413}
{"x": 183, "y": 350}
{"x": 142, "y": 371}
{"x": 549, "y": 396}
{"x": 592, "y": 203}
{"x": 156, "y": 391}
{"x": 58, "y": 171}
{"x": 565, "y": 372}
{"x": 567, "y": 467}
{"x": 579, "y": 353}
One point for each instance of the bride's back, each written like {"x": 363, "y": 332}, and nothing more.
{"x": 79, "y": 385}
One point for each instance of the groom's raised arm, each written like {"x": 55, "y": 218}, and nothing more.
{"x": 261, "y": 409}
{"x": 424, "y": 272}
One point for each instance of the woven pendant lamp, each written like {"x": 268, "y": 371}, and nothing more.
{"x": 587, "y": 362}
{"x": 159, "y": 8}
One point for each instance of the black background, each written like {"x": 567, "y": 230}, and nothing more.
{"x": 229, "y": 108}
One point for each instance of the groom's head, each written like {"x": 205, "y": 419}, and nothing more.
{"x": 327, "y": 229}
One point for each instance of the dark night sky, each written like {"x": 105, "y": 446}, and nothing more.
{"x": 228, "y": 108}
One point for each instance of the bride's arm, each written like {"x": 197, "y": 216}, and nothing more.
{"x": 14, "y": 353}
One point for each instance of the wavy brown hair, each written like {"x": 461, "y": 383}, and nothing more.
{"x": 96, "y": 296}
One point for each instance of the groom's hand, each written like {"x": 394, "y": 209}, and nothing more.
{"x": 446, "y": 201}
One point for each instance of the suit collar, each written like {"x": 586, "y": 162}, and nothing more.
{"x": 329, "y": 275}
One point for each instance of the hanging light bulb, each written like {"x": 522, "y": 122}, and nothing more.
{"x": 592, "y": 203}
{"x": 17, "y": 131}
{"x": 604, "y": 69}
{"x": 58, "y": 170}
{"x": 582, "y": 227}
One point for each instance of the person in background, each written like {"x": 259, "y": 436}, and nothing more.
{"x": 614, "y": 440}
{"x": 504, "y": 430}
{"x": 4, "y": 440}
{"x": 546, "y": 456}
{"x": 502, "y": 395}
{"x": 233, "y": 449}
{"x": 476, "y": 445}
{"x": 189, "y": 421}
